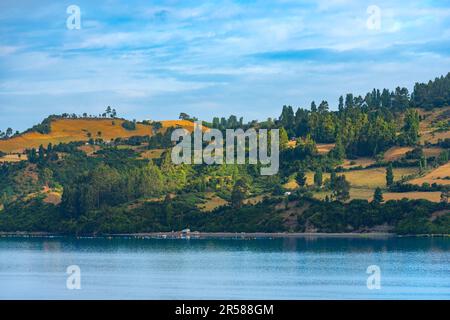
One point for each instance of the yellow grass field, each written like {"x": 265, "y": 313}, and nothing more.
{"x": 367, "y": 194}
{"x": 151, "y": 154}
{"x": 364, "y": 162}
{"x": 89, "y": 149}
{"x": 375, "y": 177}
{"x": 396, "y": 153}
{"x": 67, "y": 130}
{"x": 431, "y": 196}
{"x": 426, "y": 126}
{"x": 432, "y": 152}
{"x": 323, "y": 148}
{"x": 186, "y": 124}
{"x": 212, "y": 202}
{"x": 366, "y": 178}
{"x": 53, "y": 198}
{"x": 254, "y": 200}
{"x": 434, "y": 137}
{"x": 363, "y": 182}
{"x": 13, "y": 158}
{"x": 438, "y": 176}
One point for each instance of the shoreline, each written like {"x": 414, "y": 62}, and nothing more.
{"x": 223, "y": 235}
{"x": 253, "y": 235}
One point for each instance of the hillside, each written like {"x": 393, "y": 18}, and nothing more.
{"x": 69, "y": 130}
{"x": 374, "y": 164}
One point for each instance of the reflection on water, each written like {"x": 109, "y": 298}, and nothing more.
{"x": 288, "y": 268}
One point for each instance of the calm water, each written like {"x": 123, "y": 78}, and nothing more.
{"x": 312, "y": 268}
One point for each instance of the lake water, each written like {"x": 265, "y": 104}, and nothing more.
{"x": 304, "y": 268}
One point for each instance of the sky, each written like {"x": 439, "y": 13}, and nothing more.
{"x": 154, "y": 59}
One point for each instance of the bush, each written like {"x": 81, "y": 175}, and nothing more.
{"x": 129, "y": 125}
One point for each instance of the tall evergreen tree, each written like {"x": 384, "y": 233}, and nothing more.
{"x": 318, "y": 177}
{"x": 378, "y": 196}
{"x": 341, "y": 190}
{"x": 300, "y": 178}
{"x": 389, "y": 175}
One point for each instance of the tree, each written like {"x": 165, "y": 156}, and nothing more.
{"x": 318, "y": 177}
{"x": 323, "y": 107}
{"x": 47, "y": 176}
{"x": 423, "y": 164}
{"x": 445, "y": 195}
{"x": 287, "y": 118}
{"x": 333, "y": 177}
{"x": 389, "y": 175}
{"x": 41, "y": 152}
{"x": 169, "y": 211}
{"x": 410, "y": 130}
{"x": 216, "y": 123}
{"x": 300, "y": 178}
{"x": 9, "y": 132}
{"x": 341, "y": 191}
{"x": 284, "y": 140}
{"x": 378, "y": 196}
{"x": 341, "y": 104}
{"x": 184, "y": 116}
{"x": 108, "y": 110}
{"x": 31, "y": 154}
{"x": 338, "y": 151}
{"x": 238, "y": 194}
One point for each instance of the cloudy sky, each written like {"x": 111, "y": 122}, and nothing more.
{"x": 154, "y": 59}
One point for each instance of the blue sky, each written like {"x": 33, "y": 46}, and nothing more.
{"x": 155, "y": 59}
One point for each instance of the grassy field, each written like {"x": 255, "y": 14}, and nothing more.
{"x": 431, "y": 196}
{"x": 53, "y": 197}
{"x": 427, "y": 126}
{"x": 432, "y": 152}
{"x": 186, "y": 124}
{"x": 89, "y": 149}
{"x": 367, "y": 194}
{"x": 212, "y": 202}
{"x": 396, "y": 153}
{"x": 363, "y": 162}
{"x": 324, "y": 148}
{"x": 254, "y": 200}
{"x": 363, "y": 182}
{"x": 151, "y": 154}
{"x": 13, "y": 158}
{"x": 67, "y": 130}
{"x": 366, "y": 178}
{"x": 375, "y": 177}
{"x": 440, "y": 175}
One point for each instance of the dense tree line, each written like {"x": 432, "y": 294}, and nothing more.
{"x": 434, "y": 94}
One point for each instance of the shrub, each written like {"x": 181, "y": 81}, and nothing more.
{"x": 129, "y": 125}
